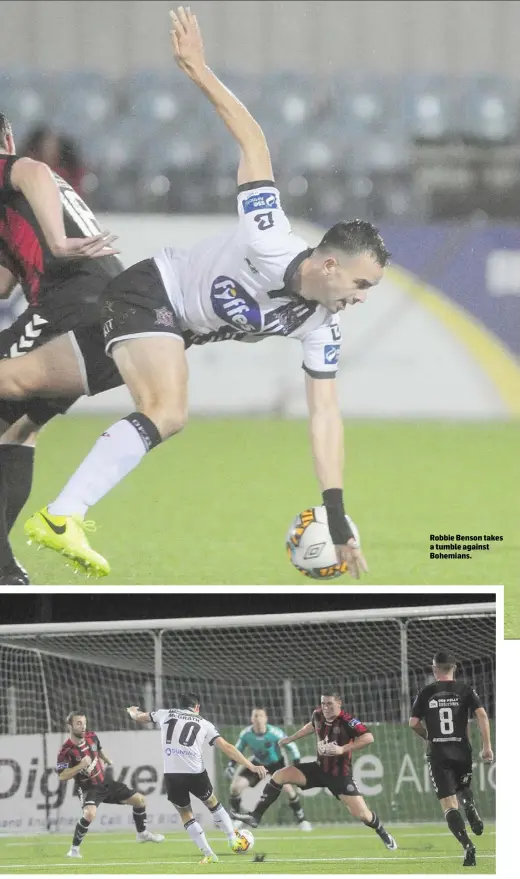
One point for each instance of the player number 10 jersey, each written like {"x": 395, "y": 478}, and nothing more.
{"x": 183, "y": 734}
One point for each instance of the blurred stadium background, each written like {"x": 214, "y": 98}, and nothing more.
{"x": 403, "y": 113}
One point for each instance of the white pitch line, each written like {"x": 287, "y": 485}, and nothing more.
{"x": 388, "y": 859}
{"x": 307, "y": 837}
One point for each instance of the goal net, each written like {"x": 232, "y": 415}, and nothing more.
{"x": 378, "y": 659}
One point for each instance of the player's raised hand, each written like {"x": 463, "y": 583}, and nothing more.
{"x": 92, "y": 247}
{"x": 285, "y": 741}
{"x": 352, "y": 555}
{"x": 187, "y": 44}
{"x": 133, "y": 711}
{"x": 487, "y": 755}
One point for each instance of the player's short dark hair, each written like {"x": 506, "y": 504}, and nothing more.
{"x": 355, "y": 237}
{"x": 258, "y": 708}
{"x": 5, "y": 129}
{"x": 73, "y": 714}
{"x": 444, "y": 660}
{"x": 334, "y": 693}
{"x": 188, "y": 700}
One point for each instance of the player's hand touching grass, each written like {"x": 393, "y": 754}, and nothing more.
{"x": 188, "y": 47}
{"x": 354, "y": 558}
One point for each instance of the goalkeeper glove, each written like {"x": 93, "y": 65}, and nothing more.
{"x": 230, "y": 769}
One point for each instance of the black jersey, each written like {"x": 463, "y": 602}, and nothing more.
{"x": 445, "y": 707}
{"x": 24, "y": 250}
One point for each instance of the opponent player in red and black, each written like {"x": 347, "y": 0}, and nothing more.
{"x": 440, "y": 715}
{"x": 338, "y": 734}
{"x": 82, "y": 758}
{"x": 51, "y": 244}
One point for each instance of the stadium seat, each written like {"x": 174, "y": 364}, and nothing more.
{"x": 430, "y": 107}
{"x": 363, "y": 102}
{"x": 490, "y": 110}
{"x": 24, "y": 104}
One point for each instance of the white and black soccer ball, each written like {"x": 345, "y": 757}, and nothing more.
{"x": 244, "y": 841}
{"x": 310, "y": 548}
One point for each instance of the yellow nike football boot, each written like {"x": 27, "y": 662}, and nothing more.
{"x": 209, "y": 859}
{"x": 66, "y": 534}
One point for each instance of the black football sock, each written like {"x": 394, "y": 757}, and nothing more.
{"x": 235, "y": 802}
{"x": 81, "y": 828}
{"x": 139, "y": 816}
{"x": 455, "y": 822}
{"x": 272, "y": 791}
{"x": 18, "y": 462}
{"x": 466, "y": 797}
{"x": 296, "y": 806}
{"x": 375, "y": 824}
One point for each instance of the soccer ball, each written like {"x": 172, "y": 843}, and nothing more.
{"x": 310, "y": 548}
{"x": 243, "y": 842}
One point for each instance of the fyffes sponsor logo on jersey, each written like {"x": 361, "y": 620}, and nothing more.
{"x": 260, "y": 201}
{"x": 232, "y": 304}
{"x": 331, "y": 353}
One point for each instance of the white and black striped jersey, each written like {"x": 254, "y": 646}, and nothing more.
{"x": 183, "y": 733}
{"x": 237, "y": 285}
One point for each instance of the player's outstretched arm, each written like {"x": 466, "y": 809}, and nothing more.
{"x": 327, "y": 443}
{"x": 238, "y": 757}
{"x": 138, "y": 715}
{"x": 485, "y": 732}
{"x": 332, "y": 749}
{"x": 188, "y": 49}
{"x": 299, "y": 734}
{"x": 35, "y": 181}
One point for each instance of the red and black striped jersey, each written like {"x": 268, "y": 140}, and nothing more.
{"x": 343, "y": 729}
{"x": 72, "y": 753}
{"x": 23, "y": 248}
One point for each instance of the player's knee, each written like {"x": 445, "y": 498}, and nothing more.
{"x": 139, "y": 801}
{"x": 89, "y": 813}
{"x": 278, "y": 776}
{"x": 168, "y": 419}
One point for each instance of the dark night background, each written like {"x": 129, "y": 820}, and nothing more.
{"x": 82, "y": 605}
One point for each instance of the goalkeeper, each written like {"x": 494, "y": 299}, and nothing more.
{"x": 262, "y": 739}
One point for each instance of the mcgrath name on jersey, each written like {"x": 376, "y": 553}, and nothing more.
{"x": 183, "y": 735}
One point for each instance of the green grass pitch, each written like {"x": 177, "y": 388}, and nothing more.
{"x": 212, "y": 505}
{"x": 423, "y": 849}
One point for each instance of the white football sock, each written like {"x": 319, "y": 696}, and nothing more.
{"x": 198, "y": 836}
{"x": 115, "y": 454}
{"x": 222, "y": 820}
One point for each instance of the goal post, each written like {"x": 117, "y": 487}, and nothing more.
{"x": 378, "y": 659}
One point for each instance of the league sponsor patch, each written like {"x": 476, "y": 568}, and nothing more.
{"x": 233, "y": 305}
{"x": 331, "y": 353}
{"x": 260, "y": 201}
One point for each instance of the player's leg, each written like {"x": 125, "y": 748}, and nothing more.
{"x": 178, "y": 793}
{"x": 358, "y": 808}
{"x": 16, "y": 469}
{"x": 221, "y": 818}
{"x": 296, "y": 807}
{"x": 81, "y": 829}
{"x": 138, "y": 802}
{"x": 289, "y": 775}
{"x": 240, "y": 782}
{"x": 465, "y": 796}
{"x": 444, "y": 784}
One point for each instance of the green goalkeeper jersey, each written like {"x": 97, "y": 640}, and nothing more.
{"x": 265, "y": 747}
